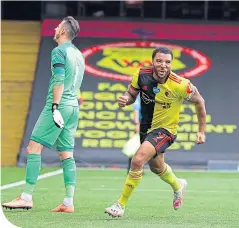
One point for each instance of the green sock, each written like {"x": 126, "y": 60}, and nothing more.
{"x": 32, "y": 172}
{"x": 69, "y": 172}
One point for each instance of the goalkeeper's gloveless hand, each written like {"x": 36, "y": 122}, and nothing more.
{"x": 57, "y": 117}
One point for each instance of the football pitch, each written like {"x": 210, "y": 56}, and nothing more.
{"x": 211, "y": 200}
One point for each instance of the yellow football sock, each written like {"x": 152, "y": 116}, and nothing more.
{"x": 131, "y": 183}
{"x": 169, "y": 177}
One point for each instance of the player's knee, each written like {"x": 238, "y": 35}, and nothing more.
{"x": 34, "y": 148}
{"x": 31, "y": 150}
{"x": 28, "y": 150}
{"x": 137, "y": 162}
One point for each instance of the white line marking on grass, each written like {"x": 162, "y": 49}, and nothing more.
{"x": 43, "y": 176}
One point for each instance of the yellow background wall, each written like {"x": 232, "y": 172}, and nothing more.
{"x": 20, "y": 45}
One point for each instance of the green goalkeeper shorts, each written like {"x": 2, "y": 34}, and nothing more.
{"x": 47, "y": 133}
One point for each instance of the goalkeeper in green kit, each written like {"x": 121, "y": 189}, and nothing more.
{"x": 58, "y": 121}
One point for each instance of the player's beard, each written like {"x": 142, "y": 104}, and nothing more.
{"x": 56, "y": 37}
{"x": 161, "y": 76}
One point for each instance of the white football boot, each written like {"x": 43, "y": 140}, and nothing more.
{"x": 178, "y": 195}
{"x": 116, "y": 210}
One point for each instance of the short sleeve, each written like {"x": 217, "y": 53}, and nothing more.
{"x": 57, "y": 57}
{"x": 187, "y": 89}
{"x": 58, "y": 66}
{"x": 134, "y": 82}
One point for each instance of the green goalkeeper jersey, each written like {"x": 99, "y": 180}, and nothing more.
{"x": 71, "y": 64}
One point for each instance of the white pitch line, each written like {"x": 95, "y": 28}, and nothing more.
{"x": 43, "y": 176}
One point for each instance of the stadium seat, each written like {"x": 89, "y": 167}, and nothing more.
{"x": 20, "y": 45}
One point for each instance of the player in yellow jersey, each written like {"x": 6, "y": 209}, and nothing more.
{"x": 162, "y": 93}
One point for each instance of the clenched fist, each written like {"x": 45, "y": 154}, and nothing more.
{"x": 122, "y": 100}
{"x": 200, "y": 138}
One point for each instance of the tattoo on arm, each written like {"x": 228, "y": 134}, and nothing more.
{"x": 200, "y": 110}
{"x": 132, "y": 94}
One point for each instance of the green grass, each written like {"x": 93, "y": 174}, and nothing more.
{"x": 211, "y": 200}
{"x": 10, "y": 175}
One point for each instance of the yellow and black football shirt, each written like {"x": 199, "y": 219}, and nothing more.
{"x": 161, "y": 103}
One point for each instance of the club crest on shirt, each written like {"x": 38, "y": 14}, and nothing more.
{"x": 167, "y": 93}
{"x": 156, "y": 90}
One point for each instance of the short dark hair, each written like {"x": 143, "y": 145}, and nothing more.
{"x": 72, "y": 27}
{"x": 163, "y": 50}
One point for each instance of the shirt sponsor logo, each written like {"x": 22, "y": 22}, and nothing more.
{"x": 146, "y": 99}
